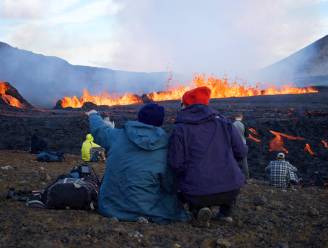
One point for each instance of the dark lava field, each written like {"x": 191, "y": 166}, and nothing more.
{"x": 264, "y": 216}
{"x": 303, "y": 116}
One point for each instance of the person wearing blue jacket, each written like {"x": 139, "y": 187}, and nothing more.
{"x": 137, "y": 183}
{"x": 203, "y": 151}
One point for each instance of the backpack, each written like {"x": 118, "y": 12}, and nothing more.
{"x": 77, "y": 190}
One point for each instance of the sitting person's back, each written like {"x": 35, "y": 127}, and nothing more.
{"x": 37, "y": 144}
{"x": 87, "y": 149}
{"x": 281, "y": 173}
{"x": 137, "y": 182}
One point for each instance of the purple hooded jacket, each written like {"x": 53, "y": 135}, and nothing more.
{"x": 203, "y": 152}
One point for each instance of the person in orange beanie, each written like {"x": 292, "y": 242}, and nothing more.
{"x": 203, "y": 151}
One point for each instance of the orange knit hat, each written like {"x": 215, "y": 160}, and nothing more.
{"x": 200, "y": 95}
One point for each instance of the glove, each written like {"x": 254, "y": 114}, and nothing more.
{"x": 109, "y": 122}
{"x": 91, "y": 112}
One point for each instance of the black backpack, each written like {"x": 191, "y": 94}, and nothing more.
{"x": 77, "y": 190}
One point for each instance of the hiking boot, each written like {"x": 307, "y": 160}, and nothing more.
{"x": 204, "y": 216}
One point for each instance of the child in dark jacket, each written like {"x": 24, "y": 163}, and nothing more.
{"x": 203, "y": 152}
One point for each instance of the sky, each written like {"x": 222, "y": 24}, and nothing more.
{"x": 217, "y": 37}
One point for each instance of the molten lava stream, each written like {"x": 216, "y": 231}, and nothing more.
{"x": 251, "y": 137}
{"x": 325, "y": 143}
{"x": 308, "y": 149}
{"x": 253, "y": 131}
{"x": 277, "y": 143}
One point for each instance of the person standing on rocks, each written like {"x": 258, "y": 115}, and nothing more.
{"x": 137, "y": 184}
{"x": 203, "y": 151}
{"x": 241, "y": 130}
{"x": 281, "y": 173}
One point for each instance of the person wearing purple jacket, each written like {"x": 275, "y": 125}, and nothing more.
{"x": 203, "y": 152}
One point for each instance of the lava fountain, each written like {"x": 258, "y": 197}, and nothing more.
{"x": 220, "y": 88}
{"x": 7, "y": 98}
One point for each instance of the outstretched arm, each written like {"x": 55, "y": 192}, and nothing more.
{"x": 100, "y": 130}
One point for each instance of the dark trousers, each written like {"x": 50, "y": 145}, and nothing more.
{"x": 225, "y": 201}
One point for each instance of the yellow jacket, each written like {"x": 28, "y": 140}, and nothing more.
{"x": 86, "y": 147}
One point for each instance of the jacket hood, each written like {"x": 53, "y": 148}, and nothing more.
{"x": 89, "y": 137}
{"x": 145, "y": 136}
{"x": 195, "y": 114}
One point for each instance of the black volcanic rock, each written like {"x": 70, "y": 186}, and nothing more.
{"x": 44, "y": 79}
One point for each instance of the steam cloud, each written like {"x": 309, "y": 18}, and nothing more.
{"x": 233, "y": 38}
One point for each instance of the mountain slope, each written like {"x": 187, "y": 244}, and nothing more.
{"x": 308, "y": 66}
{"x": 45, "y": 79}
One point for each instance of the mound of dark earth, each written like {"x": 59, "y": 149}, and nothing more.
{"x": 10, "y": 98}
{"x": 298, "y": 115}
{"x": 264, "y": 217}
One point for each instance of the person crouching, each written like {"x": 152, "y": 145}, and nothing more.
{"x": 203, "y": 152}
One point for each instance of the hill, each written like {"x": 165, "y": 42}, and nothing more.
{"x": 45, "y": 79}
{"x": 308, "y": 66}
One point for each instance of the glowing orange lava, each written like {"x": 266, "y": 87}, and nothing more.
{"x": 277, "y": 143}
{"x": 12, "y": 101}
{"x": 221, "y": 88}
{"x": 103, "y": 99}
{"x": 250, "y": 136}
{"x": 325, "y": 143}
{"x": 308, "y": 149}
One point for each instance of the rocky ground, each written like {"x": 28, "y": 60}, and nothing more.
{"x": 264, "y": 217}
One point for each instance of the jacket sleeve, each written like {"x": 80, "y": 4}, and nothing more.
{"x": 292, "y": 168}
{"x": 176, "y": 151}
{"x": 100, "y": 131}
{"x": 238, "y": 147}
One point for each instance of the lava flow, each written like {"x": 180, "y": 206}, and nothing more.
{"x": 251, "y": 135}
{"x": 277, "y": 143}
{"x": 308, "y": 149}
{"x": 325, "y": 143}
{"x": 220, "y": 88}
{"x": 8, "y": 99}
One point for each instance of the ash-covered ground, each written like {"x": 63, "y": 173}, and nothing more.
{"x": 263, "y": 217}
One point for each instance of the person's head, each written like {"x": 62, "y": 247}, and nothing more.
{"x": 239, "y": 117}
{"x": 199, "y": 95}
{"x": 151, "y": 114}
{"x": 89, "y": 137}
{"x": 281, "y": 156}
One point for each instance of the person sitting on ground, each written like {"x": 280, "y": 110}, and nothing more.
{"x": 137, "y": 184}
{"x": 241, "y": 130}
{"x": 203, "y": 151}
{"x": 37, "y": 144}
{"x": 90, "y": 151}
{"x": 281, "y": 173}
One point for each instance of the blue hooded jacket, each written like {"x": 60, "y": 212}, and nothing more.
{"x": 137, "y": 181}
{"x": 203, "y": 150}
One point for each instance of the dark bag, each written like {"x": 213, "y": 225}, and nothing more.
{"x": 77, "y": 190}
{"x": 50, "y": 157}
